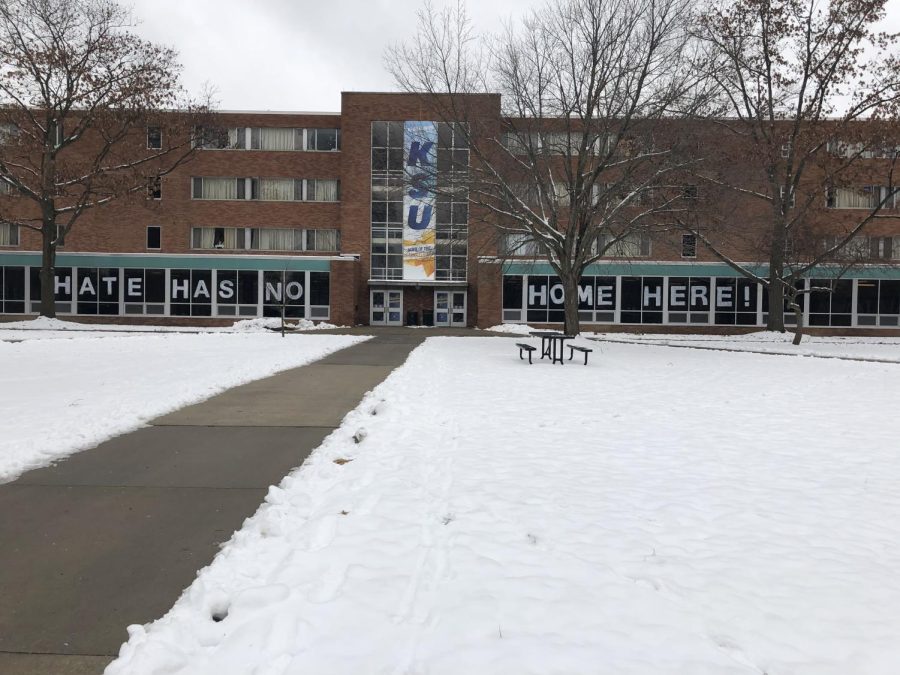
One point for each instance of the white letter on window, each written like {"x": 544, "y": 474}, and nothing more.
{"x": 226, "y": 289}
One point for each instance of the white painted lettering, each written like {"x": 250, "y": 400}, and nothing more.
{"x": 652, "y": 294}
{"x": 65, "y": 284}
{"x": 699, "y": 296}
{"x": 537, "y": 296}
{"x": 133, "y": 287}
{"x": 605, "y": 296}
{"x": 724, "y": 296}
{"x": 273, "y": 291}
{"x": 226, "y": 289}
{"x": 584, "y": 294}
{"x": 200, "y": 290}
{"x": 109, "y": 281}
{"x": 557, "y": 294}
{"x": 677, "y": 295}
{"x": 294, "y": 290}
{"x": 87, "y": 287}
{"x": 181, "y": 288}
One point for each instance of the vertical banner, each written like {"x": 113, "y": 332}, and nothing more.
{"x": 420, "y": 143}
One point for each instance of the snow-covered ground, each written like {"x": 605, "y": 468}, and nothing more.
{"x": 658, "y": 511}
{"x": 883, "y": 348}
{"x": 64, "y": 395}
{"x": 45, "y": 329}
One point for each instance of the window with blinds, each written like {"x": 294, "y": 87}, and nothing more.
{"x": 9, "y": 234}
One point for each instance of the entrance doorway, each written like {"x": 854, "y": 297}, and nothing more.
{"x": 386, "y": 308}
{"x": 450, "y": 308}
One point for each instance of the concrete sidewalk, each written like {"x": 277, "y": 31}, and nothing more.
{"x": 111, "y": 536}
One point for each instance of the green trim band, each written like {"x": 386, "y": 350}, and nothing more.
{"x": 670, "y": 269}
{"x": 209, "y": 262}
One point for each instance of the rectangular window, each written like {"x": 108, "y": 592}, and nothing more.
{"x": 276, "y": 239}
{"x": 688, "y": 246}
{"x": 209, "y": 187}
{"x": 324, "y": 140}
{"x": 274, "y": 138}
{"x": 154, "y": 188}
{"x": 154, "y": 138}
{"x": 791, "y": 200}
{"x": 865, "y": 197}
{"x": 323, "y": 190}
{"x": 219, "y": 138}
{"x": 8, "y": 132}
{"x": 153, "y": 237}
{"x": 276, "y": 189}
{"x": 518, "y": 244}
{"x": 56, "y": 132}
{"x": 229, "y": 238}
{"x": 9, "y": 234}
{"x": 323, "y": 240}
{"x": 690, "y": 193}
{"x": 631, "y": 245}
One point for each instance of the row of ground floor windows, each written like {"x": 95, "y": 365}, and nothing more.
{"x": 699, "y": 301}
{"x": 169, "y": 292}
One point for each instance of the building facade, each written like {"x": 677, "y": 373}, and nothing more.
{"x": 331, "y": 217}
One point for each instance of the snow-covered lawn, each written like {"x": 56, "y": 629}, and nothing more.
{"x": 883, "y": 348}
{"x": 658, "y": 511}
{"x": 64, "y": 395}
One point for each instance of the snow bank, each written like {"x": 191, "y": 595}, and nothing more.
{"x": 658, "y": 511}
{"x": 61, "y": 396}
{"x": 512, "y": 328}
{"x": 268, "y": 323}
{"x": 44, "y": 328}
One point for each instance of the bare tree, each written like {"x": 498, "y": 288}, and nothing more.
{"x": 808, "y": 89}
{"x": 77, "y": 95}
{"x": 583, "y": 158}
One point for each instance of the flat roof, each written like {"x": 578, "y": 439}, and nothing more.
{"x": 278, "y": 112}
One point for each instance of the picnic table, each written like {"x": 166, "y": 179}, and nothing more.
{"x": 552, "y": 344}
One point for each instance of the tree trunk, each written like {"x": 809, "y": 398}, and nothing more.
{"x": 48, "y": 270}
{"x": 570, "y": 286}
{"x": 776, "y": 306}
{"x": 798, "y": 314}
{"x": 775, "y": 321}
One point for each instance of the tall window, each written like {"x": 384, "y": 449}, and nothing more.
{"x": 689, "y": 246}
{"x": 387, "y": 200}
{"x": 154, "y": 188}
{"x": 153, "y": 237}
{"x": 154, "y": 138}
{"x": 9, "y": 234}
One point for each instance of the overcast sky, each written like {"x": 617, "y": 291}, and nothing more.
{"x": 290, "y": 54}
{"x": 299, "y": 55}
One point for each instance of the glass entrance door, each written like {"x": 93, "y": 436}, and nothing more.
{"x": 386, "y": 308}
{"x": 450, "y": 308}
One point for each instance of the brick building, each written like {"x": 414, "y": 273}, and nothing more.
{"x": 307, "y": 211}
